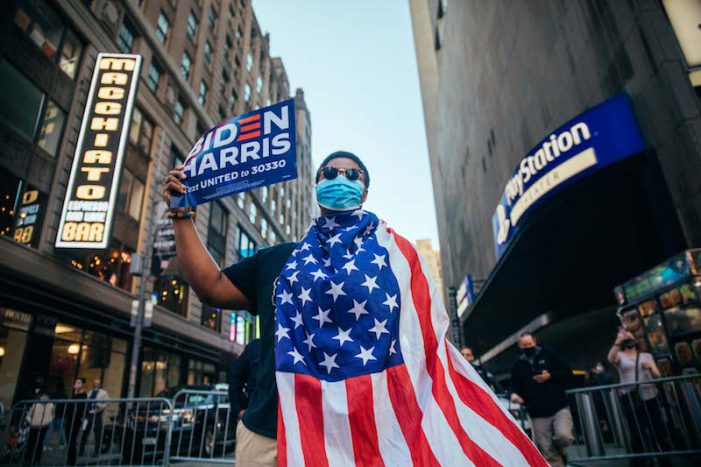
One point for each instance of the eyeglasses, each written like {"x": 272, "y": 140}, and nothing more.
{"x": 332, "y": 172}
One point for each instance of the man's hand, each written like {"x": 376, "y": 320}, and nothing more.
{"x": 516, "y": 399}
{"x": 542, "y": 377}
{"x": 173, "y": 183}
{"x": 241, "y": 412}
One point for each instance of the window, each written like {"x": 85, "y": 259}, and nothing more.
{"x": 212, "y": 18}
{"x": 141, "y": 132}
{"x": 110, "y": 265}
{"x": 216, "y": 238}
{"x": 192, "y": 25}
{"x": 249, "y": 62}
{"x": 154, "y": 76}
{"x": 51, "y": 128}
{"x": 44, "y": 26}
{"x": 233, "y": 98}
{"x": 186, "y": 65}
{"x": 171, "y": 293}
{"x": 259, "y": 84}
{"x": 179, "y": 112}
{"x": 20, "y": 102}
{"x": 207, "y": 53}
{"x": 211, "y": 318}
{"x": 70, "y": 54}
{"x": 239, "y": 34}
{"x": 264, "y": 194}
{"x": 125, "y": 39}
{"x": 203, "y": 92}
{"x": 247, "y": 93}
{"x": 131, "y": 195}
{"x": 264, "y": 228}
{"x": 272, "y": 238}
{"x": 162, "y": 27}
{"x": 252, "y": 212}
{"x": 247, "y": 247}
{"x": 241, "y": 201}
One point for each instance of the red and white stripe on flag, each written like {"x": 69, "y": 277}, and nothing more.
{"x": 434, "y": 409}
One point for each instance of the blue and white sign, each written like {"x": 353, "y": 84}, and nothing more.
{"x": 245, "y": 152}
{"x": 595, "y": 139}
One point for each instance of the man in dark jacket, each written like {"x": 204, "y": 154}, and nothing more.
{"x": 481, "y": 370}
{"x": 538, "y": 379}
{"x": 242, "y": 377}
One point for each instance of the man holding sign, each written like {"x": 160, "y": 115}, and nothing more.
{"x": 352, "y": 333}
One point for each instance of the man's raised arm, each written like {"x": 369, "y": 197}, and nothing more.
{"x": 200, "y": 271}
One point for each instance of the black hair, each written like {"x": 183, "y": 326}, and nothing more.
{"x": 349, "y": 155}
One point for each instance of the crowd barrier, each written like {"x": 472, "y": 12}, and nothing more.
{"x": 659, "y": 419}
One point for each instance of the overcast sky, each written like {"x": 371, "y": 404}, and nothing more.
{"x": 357, "y": 66}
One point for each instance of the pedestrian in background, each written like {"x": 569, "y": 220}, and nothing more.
{"x": 39, "y": 417}
{"x": 481, "y": 370}
{"x": 641, "y": 406}
{"x": 242, "y": 381}
{"x": 539, "y": 378}
{"x": 94, "y": 418}
{"x": 74, "y": 419}
{"x": 57, "y": 423}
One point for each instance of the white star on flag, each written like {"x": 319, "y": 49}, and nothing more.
{"x": 335, "y": 290}
{"x": 369, "y": 228}
{"x": 370, "y": 283}
{"x": 330, "y": 223}
{"x": 297, "y": 319}
{"x": 358, "y": 213}
{"x": 310, "y": 341}
{"x": 359, "y": 244}
{"x": 319, "y": 274}
{"x": 292, "y": 265}
{"x": 286, "y": 297}
{"x": 366, "y": 355}
{"x": 379, "y": 328}
{"x": 379, "y": 260}
{"x": 391, "y": 347}
{"x": 343, "y": 336}
{"x": 293, "y": 277}
{"x": 323, "y": 317}
{"x": 327, "y": 262}
{"x": 358, "y": 309}
{"x": 334, "y": 239}
{"x": 310, "y": 259}
{"x": 348, "y": 255}
{"x": 329, "y": 362}
{"x": 350, "y": 266}
{"x": 391, "y": 302}
{"x": 305, "y": 246}
{"x": 304, "y": 295}
{"x": 281, "y": 332}
{"x": 297, "y": 357}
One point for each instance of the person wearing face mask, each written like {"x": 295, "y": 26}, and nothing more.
{"x": 342, "y": 187}
{"x": 640, "y": 404}
{"x": 481, "y": 370}
{"x": 538, "y": 379}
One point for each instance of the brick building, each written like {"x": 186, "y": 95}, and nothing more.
{"x": 204, "y": 61}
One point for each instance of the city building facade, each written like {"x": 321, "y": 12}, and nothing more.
{"x": 497, "y": 78}
{"x": 432, "y": 258}
{"x": 66, "y": 313}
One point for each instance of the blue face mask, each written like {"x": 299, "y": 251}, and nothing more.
{"x": 339, "y": 194}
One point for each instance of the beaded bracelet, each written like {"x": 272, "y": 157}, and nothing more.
{"x": 181, "y": 214}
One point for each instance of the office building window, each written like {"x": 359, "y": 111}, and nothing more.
{"x": 247, "y": 93}
{"x": 272, "y": 238}
{"x": 192, "y": 25}
{"x": 162, "y": 27}
{"x": 70, "y": 54}
{"x": 51, "y": 128}
{"x": 264, "y": 228}
{"x": 131, "y": 195}
{"x": 154, "y": 76}
{"x": 212, "y": 18}
{"x": 252, "y": 212}
{"x": 216, "y": 237}
{"x": 264, "y": 195}
{"x": 171, "y": 292}
{"x": 247, "y": 246}
{"x": 241, "y": 200}
{"x": 125, "y": 39}
{"x": 179, "y": 112}
{"x": 259, "y": 84}
{"x": 233, "y": 98}
{"x": 207, "y": 54}
{"x": 186, "y": 65}
{"x": 141, "y": 132}
{"x": 110, "y": 266}
{"x": 211, "y": 317}
{"x": 249, "y": 62}
{"x": 21, "y": 104}
{"x": 203, "y": 92}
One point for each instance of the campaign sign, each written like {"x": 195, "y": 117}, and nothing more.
{"x": 246, "y": 152}
{"x": 595, "y": 139}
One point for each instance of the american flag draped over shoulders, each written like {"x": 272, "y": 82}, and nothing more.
{"x": 364, "y": 373}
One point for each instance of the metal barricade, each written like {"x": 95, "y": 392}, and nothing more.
{"x": 88, "y": 432}
{"x": 204, "y": 428}
{"x": 655, "y": 419}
